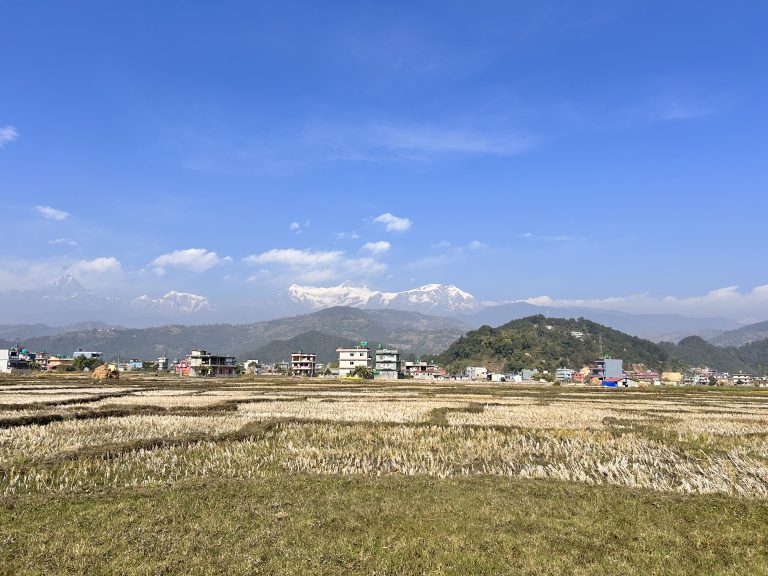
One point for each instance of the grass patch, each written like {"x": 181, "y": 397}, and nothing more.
{"x": 439, "y": 416}
{"x": 331, "y": 525}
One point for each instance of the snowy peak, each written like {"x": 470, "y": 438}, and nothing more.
{"x": 346, "y": 294}
{"x": 434, "y": 298}
{"x": 173, "y": 302}
{"x": 68, "y": 288}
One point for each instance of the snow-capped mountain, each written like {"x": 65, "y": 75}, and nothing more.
{"x": 173, "y": 302}
{"x": 67, "y": 301}
{"x": 431, "y": 298}
{"x": 67, "y": 288}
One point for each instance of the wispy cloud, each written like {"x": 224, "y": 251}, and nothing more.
{"x": 63, "y": 242}
{"x": 449, "y": 254}
{"x": 379, "y": 247}
{"x": 314, "y": 265}
{"x": 192, "y": 259}
{"x": 674, "y": 107}
{"x": 431, "y": 140}
{"x": 8, "y": 134}
{"x": 50, "y": 213}
{"x": 728, "y": 302}
{"x": 389, "y": 141}
{"x": 394, "y": 223}
{"x": 103, "y": 265}
{"x": 298, "y": 227}
{"x": 346, "y": 235}
{"x": 556, "y": 238}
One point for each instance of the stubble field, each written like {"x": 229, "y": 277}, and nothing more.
{"x": 310, "y": 476}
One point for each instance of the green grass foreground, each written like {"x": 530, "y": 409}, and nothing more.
{"x": 302, "y": 524}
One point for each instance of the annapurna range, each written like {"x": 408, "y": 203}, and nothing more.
{"x": 430, "y": 298}
{"x": 67, "y": 301}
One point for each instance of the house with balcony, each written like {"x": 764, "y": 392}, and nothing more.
{"x": 387, "y": 365}
{"x": 423, "y": 371}
{"x": 607, "y": 369}
{"x": 304, "y": 364}
{"x": 564, "y": 374}
{"x": 203, "y": 363}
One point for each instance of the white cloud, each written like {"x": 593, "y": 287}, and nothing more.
{"x": 393, "y": 223}
{"x": 315, "y": 265}
{"x": 435, "y": 140}
{"x": 728, "y": 302}
{"x": 379, "y": 247}
{"x": 52, "y": 213}
{"x": 25, "y": 274}
{"x": 295, "y": 227}
{"x": 559, "y": 238}
{"x": 193, "y": 259}
{"x": 63, "y": 242}
{"x": 295, "y": 257}
{"x": 8, "y": 134}
{"x": 477, "y": 245}
{"x": 346, "y": 235}
{"x": 104, "y": 265}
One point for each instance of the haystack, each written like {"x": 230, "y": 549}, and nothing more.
{"x": 105, "y": 373}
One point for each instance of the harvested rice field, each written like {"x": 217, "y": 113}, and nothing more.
{"x": 295, "y": 476}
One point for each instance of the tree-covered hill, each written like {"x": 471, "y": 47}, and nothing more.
{"x": 408, "y": 331}
{"x": 546, "y": 343}
{"x": 696, "y": 351}
{"x": 313, "y": 341}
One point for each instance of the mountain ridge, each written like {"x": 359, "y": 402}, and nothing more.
{"x": 409, "y": 331}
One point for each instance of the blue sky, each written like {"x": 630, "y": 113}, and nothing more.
{"x": 581, "y": 151}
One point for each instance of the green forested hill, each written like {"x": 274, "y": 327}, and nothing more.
{"x": 755, "y": 354}
{"x": 546, "y": 343}
{"x": 313, "y": 341}
{"x": 696, "y": 351}
{"x": 408, "y": 331}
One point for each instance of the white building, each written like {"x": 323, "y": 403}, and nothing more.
{"x": 162, "y": 364}
{"x": 741, "y": 379}
{"x": 12, "y": 360}
{"x": 477, "y": 372}
{"x": 86, "y": 354}
{"x": 564, "y": 374}
{"x": 351, "y": 358}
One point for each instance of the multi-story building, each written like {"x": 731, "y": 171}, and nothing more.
{"x": 607, "y": 368}
{"x": 303, "y": 363}
{"x": 133, "y": 364}
{"x": 81, "y": 352}
{"x": 529, "y": 374}
{"x": 476, "y": 372}
{"x": 423, "y": 370}
{"x": 351, "y": 358}
{"x": 203, "y": 363}
{"x": 12, "y": 360}
{"x": 564, "y": 374}
{"x": 387, "y": 364}
{"x": 741, "y": 379}
{"x": 59, "y": 362}
{"x": 162, "y": 364}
